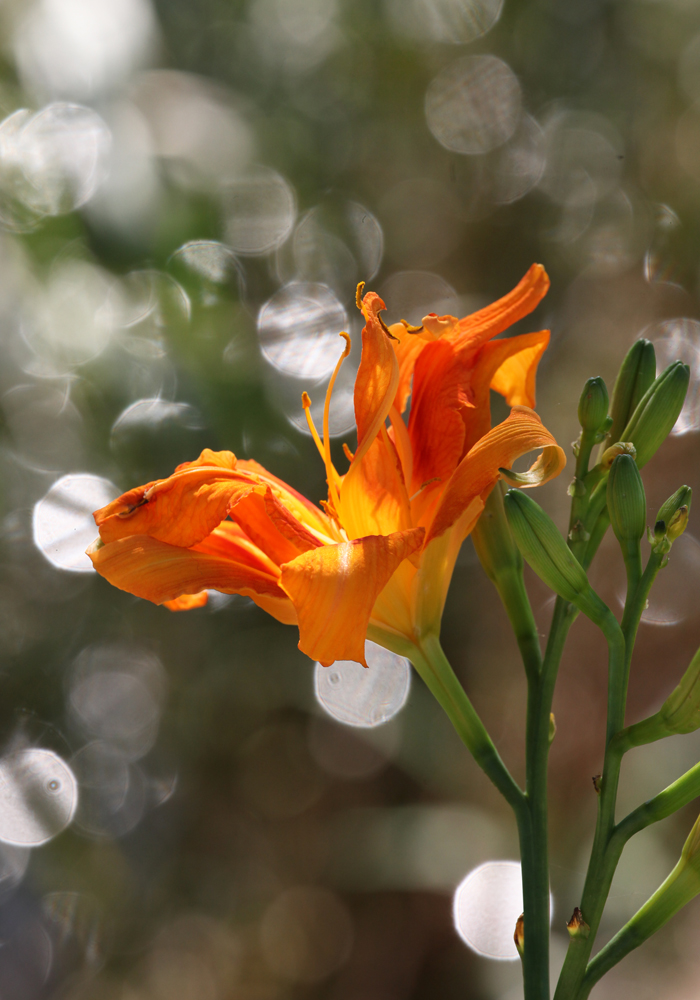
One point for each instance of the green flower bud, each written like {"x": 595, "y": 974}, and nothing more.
{"x": 673, "y": 515}
{"x": 681, "y": 886}
{"x": 657, "y": 411}
{"x": 680, "y": 713}
{"x": 678, "y": 523}
{"x": 627, "y": 503}
{"x": 543, "y": 548}
{"x": 593, "y": 404}
{"x": 636, "y": 374}
{"x": 493, "y": 541}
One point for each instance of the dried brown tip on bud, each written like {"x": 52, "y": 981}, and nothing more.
{"x": 597, "y": 782}
{"x": 519, "y": 934}
{"x": 577, "y": 926}
{"x": 611, "y": 453}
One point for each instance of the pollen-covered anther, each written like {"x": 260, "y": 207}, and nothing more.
{"x": 358, "y": 295}
{"x": 386, "y": 330}
{"x": 134, "y": 506}
{"x": 435, "y": 479}
{"x": 409, "y": 328}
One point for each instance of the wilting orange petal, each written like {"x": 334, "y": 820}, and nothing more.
{"x": 478, "y": 471}
{"x": 187, "y": 602}
{"x": 334, "y": 589}
{"x": 494, "y": 319}
{"x": 180, "y": 510}
{"x": 301, "y": 508}
{"x": 515, "y": 375}
{"x": 271, "y": 527}
{"x": 377, "y": 377}
{"x": 158, "y": 572}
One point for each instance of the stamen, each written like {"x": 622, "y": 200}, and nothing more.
{"x": 134, "y": 506}
{"x": 348, "y": 454}
{"x": 386, "y": 329}
{"x": 435, "y": 479}
{"x": 306, "y": 403}
{"x": 410, "y": 328}
{"x": 358, "y": 295}
{"x": 333, "y": 477}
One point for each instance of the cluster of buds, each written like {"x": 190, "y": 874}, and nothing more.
{"x": 643, "y": 411}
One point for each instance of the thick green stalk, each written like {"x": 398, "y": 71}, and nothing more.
{"x": 603, "y": 861}
{"x": 534, "y": 839}
{"x": 591, "y": 905}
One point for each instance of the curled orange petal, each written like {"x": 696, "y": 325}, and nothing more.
{"x": 480, "y": 469}
{"x": 180, "y": 510}
{"x": 481, "y": 326}
{"x": 334, "y": 588}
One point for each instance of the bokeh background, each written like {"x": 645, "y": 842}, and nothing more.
{"x": 189, "y": 193}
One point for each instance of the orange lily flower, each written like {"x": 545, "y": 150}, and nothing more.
{"x": 377, "y": 559}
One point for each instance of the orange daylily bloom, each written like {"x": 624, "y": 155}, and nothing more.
{"x": 377, "y": 559}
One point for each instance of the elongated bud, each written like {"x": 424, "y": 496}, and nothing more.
{"x": 627, "y": 503}
{"x": 680, "y": 713}
{"x": 681, "y": 886}
{"x": 657, "y": 411}
{"x": 637, "y": 372}
{"x": 543, "y": 548}
{"x": 493, "y": 541}
{"x": 593, "y": 404}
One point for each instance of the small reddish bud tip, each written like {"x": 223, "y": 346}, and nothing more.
{"x": 519, "y": 934}
{"x": 305, "y": 400}
{"x": 577, "y": 926}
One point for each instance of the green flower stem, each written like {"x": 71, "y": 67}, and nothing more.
{"x": 603, "y": 861}
{"x": 434, "y": 668}
{"x": 670, "y": 800}
{"x": 534, "y": 839}
{"x": 679, "y": 888}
